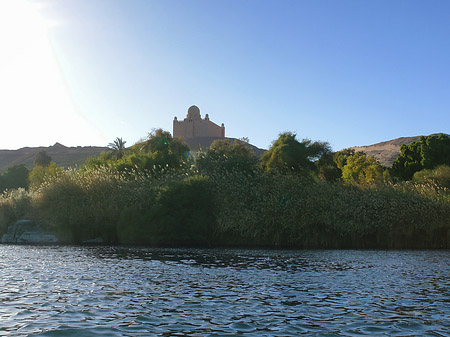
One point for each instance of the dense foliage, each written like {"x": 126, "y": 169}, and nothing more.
{"x": 439, "y": 176}
{"x": 227, "y": 156}
{"x": 427, "y": 153}
{"x": 15, "y": 177}
{"x": 42, "y": 159}
{"x": 157, "y": 194}
{"x": 158, "y": 153}
{"x": 287, "y": 154}
{"x": 360, "y": 168}
{"x": 40, "y": 173}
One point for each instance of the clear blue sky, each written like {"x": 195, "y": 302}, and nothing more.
{"x": 347, "y": 72}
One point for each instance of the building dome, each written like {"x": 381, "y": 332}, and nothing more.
{"x": 193, "y": 126}
{"x": 193, "y": 112}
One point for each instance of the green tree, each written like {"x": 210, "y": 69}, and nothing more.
{"x": 328, "y": 170}
{"x": 157, "y": 141}
{"x": 166, "y": 150}
{"x": 362, "y": 169}
{"x": 15, "y": 177}
{"x": 340, "y": 157}
{"x": 227, "y": 155}
{"x": 436, "y": 151}
{"x": 159, "y": 150}
{"x": 427, "y": 153}
{"x": 96, "y": 162}
{"x": 42, "y": 159}
{"x": 39, "y": 173}
{"x": 287, "y": 154}
{"x": 118, "y": 147}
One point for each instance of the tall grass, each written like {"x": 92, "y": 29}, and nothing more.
{"x": 130, "y": 207}
{"x": 14, "y": 205}
{"x": 182, "y": 207}
{"x": 82, "y": 204}
{"x": 293, "y": 211}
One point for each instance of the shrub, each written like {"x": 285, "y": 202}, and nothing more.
{"x": 439, "y": 176}
{"x": 41, "y": 173}
{"x": 291, "y": 211}
{"x": 226, "y": 155}
{"x": 14, "y": 205}
{"x": 181, "y": 213}
{"x": 82, "y": 204}
{"x": 15, "y": 177}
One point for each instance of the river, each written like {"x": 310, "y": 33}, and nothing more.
{"x": 118, "y": 291}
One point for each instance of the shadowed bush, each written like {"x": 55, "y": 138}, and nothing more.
{"x": 181, "y": 213}
{"x": 129, "y": 207}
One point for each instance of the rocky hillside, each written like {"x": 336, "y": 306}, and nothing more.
{"x": 386, "y": 152}
{"x": 62, "y": 155}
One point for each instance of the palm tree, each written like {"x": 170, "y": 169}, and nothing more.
{"x": 118, "y": 147}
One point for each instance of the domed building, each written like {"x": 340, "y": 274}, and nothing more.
{"x": 199, "y": 133}
{"x": 193, "y": 126}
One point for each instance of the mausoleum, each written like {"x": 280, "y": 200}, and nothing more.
{"x": 193, "y": 126}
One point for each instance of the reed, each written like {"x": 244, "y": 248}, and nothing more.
{"x": 231, "y": 207}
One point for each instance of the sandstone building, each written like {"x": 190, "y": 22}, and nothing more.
{"x": 193, "y": 126}
{"x": 199, "y": 133}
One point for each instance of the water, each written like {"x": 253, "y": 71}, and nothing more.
{"x": 73, "y": 291}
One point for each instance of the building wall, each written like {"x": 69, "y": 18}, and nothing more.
{"x": 194, "y": 126}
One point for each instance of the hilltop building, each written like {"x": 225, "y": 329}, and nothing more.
{"x": 199, "y": 133}
{"x": 193, "y": 126}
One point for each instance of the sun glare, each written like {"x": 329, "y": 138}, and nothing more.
{"x": 35, "y": 103}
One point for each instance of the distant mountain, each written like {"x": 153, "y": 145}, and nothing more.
{"x": 62, "y": 155}
{"x": 386, "y": 152}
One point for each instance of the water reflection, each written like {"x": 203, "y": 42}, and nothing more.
{"x": 63, "y": 291}
{"x": 220, "y": 258}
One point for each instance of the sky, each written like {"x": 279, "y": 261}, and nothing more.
{"x": 350, "y": 72}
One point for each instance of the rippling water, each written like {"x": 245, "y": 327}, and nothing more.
{"x": 73, "y": 291}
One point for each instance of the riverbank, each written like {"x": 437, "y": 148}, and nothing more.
{"x": 231, "y": 209}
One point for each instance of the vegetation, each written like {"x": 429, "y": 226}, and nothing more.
{"x": 361, "y": 169}
{"x": 439, "y": 176}
{"x": 157, "y": 154}
{"x": 287, "y": 154}
{"x": 298, "y": 195}
{"x": 40, "y": 173}
{"x": 291, "y": 211}
{"x": 427, "y": 153}
{"x": 42, "y": 159}
{"x": 118, "y": 148}
{"x": 15, "y": 177}
{"x": 227, "y": 156}
{"x": 14, "y": 205}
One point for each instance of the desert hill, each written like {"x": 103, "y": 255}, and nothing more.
{"x": 62, "y": 155}
{"x": 386, "y": 152}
